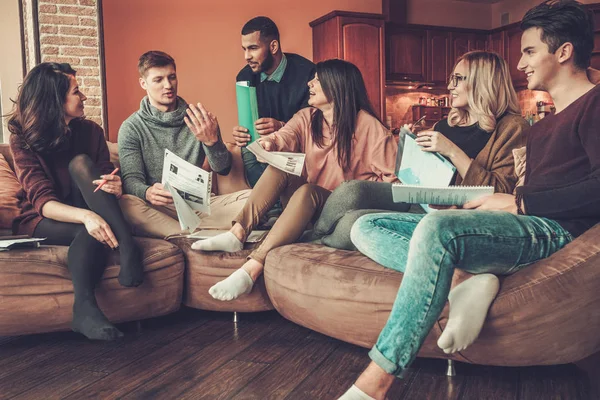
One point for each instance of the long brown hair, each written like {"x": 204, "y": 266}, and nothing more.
{"x": 343, "y": 85}
{"x": 39, "y": 117}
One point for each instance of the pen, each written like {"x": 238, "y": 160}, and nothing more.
{"x": 104, "y": 180}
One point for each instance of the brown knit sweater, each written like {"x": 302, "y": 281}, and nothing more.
{"x": 494, "y": 165}
{"x": 45, "y": 177}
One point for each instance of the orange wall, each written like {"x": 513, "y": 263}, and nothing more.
{"x": 517, "y": 9}
{"x": 204, "y": 38}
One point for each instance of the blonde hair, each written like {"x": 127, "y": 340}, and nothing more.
{"x": 490, "y": 92}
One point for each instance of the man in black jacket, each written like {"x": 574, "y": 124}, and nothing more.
{"x": 281, "y": 81}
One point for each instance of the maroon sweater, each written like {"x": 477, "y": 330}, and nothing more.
{"x": 562, "y": 176}
{"x": 45, "y": 177}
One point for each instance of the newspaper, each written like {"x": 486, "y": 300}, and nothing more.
{"x": 292, "y": 163}
{"x": 16, "y": 243}
{"x": 190, "y": 187}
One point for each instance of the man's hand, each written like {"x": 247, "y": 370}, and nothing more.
{"x": 442, "y": 207}
{"x": 264, "y": 126}
{"x": 158, "y": 196}
{"x": 113, "y": 184}
{"x": 241, "y": 136}
{"x": 99, "y": 229}
{"x": 494, "y": 202}
{"x": 203, "y": 124}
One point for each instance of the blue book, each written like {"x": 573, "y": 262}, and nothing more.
{"x": 418, "y": 167}
{"x": 421, "y": 168}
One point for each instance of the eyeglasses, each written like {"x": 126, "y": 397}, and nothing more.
{"x": 454, "y": 79}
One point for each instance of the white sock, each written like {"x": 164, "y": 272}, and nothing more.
{"x": 354, "y": 393}
{"x": 232, "y": 287}
{"x": 469, "y": 305}
{"x": 223, "y": 242}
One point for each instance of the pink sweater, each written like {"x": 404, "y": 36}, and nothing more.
{"x": 373, "y": 154}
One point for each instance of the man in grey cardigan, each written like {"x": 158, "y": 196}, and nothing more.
{"x": 166, "y": 121}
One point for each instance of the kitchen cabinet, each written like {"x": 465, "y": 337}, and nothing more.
{"x": 465, "y": 42}
{"x": 427, "y": 53}
{"x": 512, "y": 55}
{"x": 358, "y": 38}
{"x": 406, "y": 50}
{"x": 438, "y": 58}
{"x": 496, "y": 42}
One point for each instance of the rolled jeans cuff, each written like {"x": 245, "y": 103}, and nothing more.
{"x": 385, "y": 364}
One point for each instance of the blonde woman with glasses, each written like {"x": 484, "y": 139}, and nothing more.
{"x": 482, "y": 128}
{"x": 478, "y": 137}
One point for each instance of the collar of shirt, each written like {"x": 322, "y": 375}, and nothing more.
{"x": 277, "y": 74}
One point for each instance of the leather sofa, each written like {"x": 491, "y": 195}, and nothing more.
{"x": 548, "y": 313}
{"x": 36, "y": 293}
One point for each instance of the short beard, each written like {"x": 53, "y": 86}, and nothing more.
{"x": 267, "y": 64}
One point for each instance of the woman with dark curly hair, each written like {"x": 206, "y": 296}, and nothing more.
{"x": 60, "y": 158}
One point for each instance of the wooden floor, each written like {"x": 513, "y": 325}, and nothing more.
{"x": 203, "y": 355}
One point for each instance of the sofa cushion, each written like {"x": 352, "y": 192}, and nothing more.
{"x": 547, "y": 313}
{"x": 36, "y": 293}
{"x": 9, "y": 187}
{"x": 204, "y": 269}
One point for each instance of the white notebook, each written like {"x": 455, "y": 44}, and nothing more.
{"x": 445, "y": 196}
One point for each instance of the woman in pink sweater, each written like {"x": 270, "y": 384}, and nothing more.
{"x": 342, "y": 139}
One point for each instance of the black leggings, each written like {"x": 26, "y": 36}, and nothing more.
{"x": 87, "y": 256}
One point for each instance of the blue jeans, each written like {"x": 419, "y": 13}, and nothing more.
{"x": 428, "y": 248}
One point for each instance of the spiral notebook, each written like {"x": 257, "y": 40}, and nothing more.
{"x": 444, "y": 196}
{"x": 425, "y": 177}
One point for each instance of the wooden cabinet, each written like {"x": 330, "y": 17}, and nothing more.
{"x": 512, "y": 55}
{"x": 496, "y": 43}
{"x": 427, "y": 54}
{"x": 358, "y": 38}
{"x": 439, "y": 61}
{"x": 406, "y": 53}
{"x": 465, "y": 42}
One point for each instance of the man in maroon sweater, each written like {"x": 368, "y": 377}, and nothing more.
{"x": 559, "y": 200}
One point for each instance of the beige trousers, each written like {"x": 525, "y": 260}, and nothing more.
{"x": 161, "y": 221}
{"x": 302, "y": 204}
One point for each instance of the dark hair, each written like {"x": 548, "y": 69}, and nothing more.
{"x": 265, "y": 25}
{"x": 39, "y": 115}
{"x": 563, "y": 21}
{"x": 153, "y": 59}
{"x": 342, "y": 84}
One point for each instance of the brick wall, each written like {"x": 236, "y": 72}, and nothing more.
{"x": 69, "y": 34}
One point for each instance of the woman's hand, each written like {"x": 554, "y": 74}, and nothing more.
{"x": 434, "y": 141}
{"x": 266, "y": 144}
{"x": 113, "y": 184}
{"x": 99, "y": 229}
